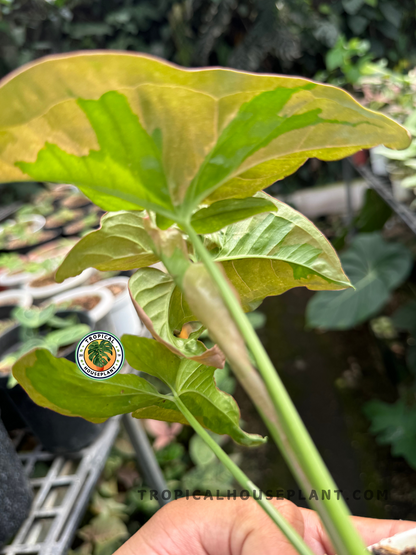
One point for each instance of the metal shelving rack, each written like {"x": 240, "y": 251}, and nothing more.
{"x": 383, "y": 187}
{"x": 61, "y": 496}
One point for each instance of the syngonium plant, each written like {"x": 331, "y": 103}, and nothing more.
{"x": 179, "y": 159}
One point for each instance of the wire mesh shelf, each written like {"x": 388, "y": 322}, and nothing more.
{"x": 62, "y": 486}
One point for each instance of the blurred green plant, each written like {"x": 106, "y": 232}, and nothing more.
{"x": 403, "y": 163}
{"x": 250, "y": 34}
{"x": 394, "y": 425}
{"x": 346, "y": 62}
{"x": 375, "y": 268}
{"x": 41, "y": 328}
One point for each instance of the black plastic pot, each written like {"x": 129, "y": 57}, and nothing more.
{"x": 15, "y": 491}
{"x": 11, "y": 418}
{"x": 57, "y": 433}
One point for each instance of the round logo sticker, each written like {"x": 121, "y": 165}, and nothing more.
{"x": 99, "y": 355}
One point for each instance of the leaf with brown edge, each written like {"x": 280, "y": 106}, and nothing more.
{"x": 121, "y": 243}
{"x": 269, "y": 254}
{"x": 136, "y": 132}
{"x": 163, "y": 310}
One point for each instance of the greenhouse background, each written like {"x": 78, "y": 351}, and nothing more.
{"x": 348, "y": 362}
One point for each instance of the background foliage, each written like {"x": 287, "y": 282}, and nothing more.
{"x": 259, "y": 35}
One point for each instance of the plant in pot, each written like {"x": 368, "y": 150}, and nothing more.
{"x": 9, "y": 300}
{"x": 62, "y": 217}
{"x": 15, "y": 269}
{"x": 58, "y": 333}
{"x": 402, "y": 166}
{"x": 44, "y": 286}
{"x": 23, "y": 235}
{"x": 44, "y": 207}
{"x": 180, "y": 157}
{"x": 97, "y": 303}
{"x": 75, "y": 200}
{"x": 83, "y": 225}
{"x": 54, "y": 250}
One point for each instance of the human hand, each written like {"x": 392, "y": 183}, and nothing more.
{"x": 240, "y": 527}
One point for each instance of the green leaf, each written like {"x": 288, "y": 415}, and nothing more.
{"x": 193, "y": 383}
{"x": 395, "y": 425}
{"x": 409, "y": 182}
{"x": 226, "y": 212}
{"x": 262, "y": 256}
{"x": 402, "y": 155}
{"x": 100, "y": 171}
{"x": 404, "y": 318}
{"x": 136, "y": 132}
{"x": 271, "y": 253}
{"x": 163, "y": 310}
{"x": 374, "y": 213}
{"x": 58, "y": 384}
{"x": 33, "y": 317}
{"x": 66, "y": 336}
{"x": 375, "y": 268}
{"x": 120, "y": 244}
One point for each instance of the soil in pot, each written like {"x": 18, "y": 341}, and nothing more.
{"x": 75, "y": 201}
{"x": 84, "y": 302}
{"x": 20, "y": 269}
{"x": 116, "y": 288}
{"x": 88, "y": 223}
{"x": 26, "y": 244}
{"x": 56, "y": 249}
{"x": 62, "y": 217}
{"x": 43, "y": 281}
{"x": 57, "y": 433}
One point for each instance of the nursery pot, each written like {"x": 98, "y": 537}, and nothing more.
{"x": 15, "y": 491}
{"x": 51, "y": 289}
{"x": 14, "y": 297}
{"x": 8, "y": 279}
{"x": 8, "y": 301}
{"x": 123, "y": 317}
{"x": 77, "y": 215}
{"x": 52, "y": 235}
{"x": 57, "y": 433}
{"x": 99, "y": 314}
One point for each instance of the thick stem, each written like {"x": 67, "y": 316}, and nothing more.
{"x": 245, "y": 482}
{"x": 303, "y": 458}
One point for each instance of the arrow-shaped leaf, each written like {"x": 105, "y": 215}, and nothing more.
{"x": 271, "y": 253}
{"x": 136, "y": 132}
{"x": 58, "y": 384}
{"x": 45, "y": 378}
{"x": 193, "y": 383}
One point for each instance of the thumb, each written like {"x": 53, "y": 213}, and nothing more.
{"x": 214, "y": 527}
